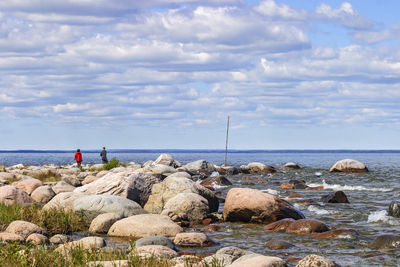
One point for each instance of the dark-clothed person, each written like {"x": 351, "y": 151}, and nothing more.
{"x": 103, "y": 155}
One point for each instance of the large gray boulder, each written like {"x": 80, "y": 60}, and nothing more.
{"x": 161, "y": 169}
{"x": 102, "y": 223}
{"x": 167, "y": 159}
{"x": 134, "y": 186}
{"x": 93, "y": 205}
{"x": 62, "y": 187}
{"x": 199, "y": 166}
{"x": 348, "y": 165}
{"x": 29, "y": 185}
{"x": 155, "y": 240}
{"x": 9, "y": 194}
{"x": 316, "y": 260}
{"x": 63, "y": 201}
{"x": 186, "y": 205}
{"x": 138, "y": 226}
{"x": 24, "y": 228}
{"x": 43, "y": 194}
{"x": 170, "y": 187}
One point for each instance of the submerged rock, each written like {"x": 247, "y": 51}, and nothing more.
{"x": 340, "y": 233}
{"x": 348, "y": 165}
{"x": 335, "y": 197}
{"x": 257, "y": 167}
{"x": 216, "y": 181}
{"x": 278, "y": 244}
{"x": 280, "y": 225}
{"x": 394, "y": 209}
{"x": 386, "y": 242}
{"x": 193, "y": 239}
{"x": 306, "y": 226}
{"x": 291, "y": 165}
{"x": 251, "y": 205}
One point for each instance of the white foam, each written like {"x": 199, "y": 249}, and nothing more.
{"x": 318, "y": 211}
{"x": 318, "y": 173}
{"x": 338, "y": 187}
{"x": 382, "y": 216}
{"x": 270, "y": 191}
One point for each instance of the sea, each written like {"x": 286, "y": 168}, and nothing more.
{"x": 369, "y": 195}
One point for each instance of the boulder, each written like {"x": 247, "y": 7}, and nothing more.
{"x": 88, "y": 179}
{"x": 138, "y": 226}
{"x": 10, "y": 194}
{"x": 10, "y": 237}
{"x": 167, "y": 159}
{"x": 43, "y": 194}
{"x": 280, "y": 225}
{"x": 102, "y": 223}
{"x": 335, "y": 197}
{"x": 200, "y": 166}
{"x": 155, "y": 240}
{"x": 37, "y": 239}
{"x": 134, "y": 186}
{"x": 193, "y": 239}
{"x": 394, "y": 209}
{"x": 72, "y": 181}
{"x": 91, "y": 242}
{"x": 316, "y": 261}
{"x": 340, "y": 233}
{"x": 348, "y": 165}
{"x": 161, "y": 169}
{"x": 63, "y": 201}
{"x": 93, "y": 205}
{"x": 386, "y": 242}
{"x": 251, "y": 205}
{"x": 170, "y": 187}
{"x": 306, "y": 226}
{"x": 291, "y": 165}
{"x": 62, "y": 187}
{"x": 29, "y": 185}
{"x": 60, "y": 239}
{"x": 102, "y": 173}
{"x": 3, "y": 182}
{"x": 259, "y": 261}
{"x": 235, "y": 252}
{"x": 257, "y": 167}
{"x": 180, "y": 174}
{"x": 24, "y": 228}
{"x": 216, "y": 181}
{"x": 213, "y": 260}
{"x": 157, "y": 251}
{"x": 186, "y": 205}
{"x": 278, "y": 244}
{"x": 7, "y": 175}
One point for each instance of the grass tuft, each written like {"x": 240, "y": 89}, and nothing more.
{"x": 47, "y": 176}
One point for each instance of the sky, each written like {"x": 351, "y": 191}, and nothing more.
{"x": 166, "y": 74}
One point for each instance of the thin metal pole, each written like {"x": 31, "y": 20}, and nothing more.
{"x": 226, "y": 144}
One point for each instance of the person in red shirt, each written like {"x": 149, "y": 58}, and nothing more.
{"x": 78, "y": 157}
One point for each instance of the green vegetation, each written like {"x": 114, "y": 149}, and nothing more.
{"x": 54, "y": 221}
{"x": 113, "y": 163}
{"x": 48, "y": 176}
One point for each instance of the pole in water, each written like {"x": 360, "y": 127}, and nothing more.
{"x": 226, "y": 144}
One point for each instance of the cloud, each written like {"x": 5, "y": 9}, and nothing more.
{"x": 372, "y": 37}
{"x": 270, "y": 9}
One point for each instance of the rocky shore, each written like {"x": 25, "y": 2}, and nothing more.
{"x": 170, "y": 210}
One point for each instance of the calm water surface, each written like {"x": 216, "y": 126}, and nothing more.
{"x": 369, "y": 195}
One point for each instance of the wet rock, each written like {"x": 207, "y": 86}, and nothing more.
{"x": 156, "y": 240}
{"x": 170, "y": 187}
{"x": 308, "y": 202}
{"x": 37, "y": 239}
{"x": 102, "y": 223}
{"x": 192, "y": 239}
{"x": 211, "y": 228}
{"x": 299, "y": 186}
{"x": 386, "y": 242}
{"x": 259, "y": 261}
{"x": 189, "y": 205}
{"x": 251, "y": 205}
{"x": 63, "y": 201}
{"x": 280, "y": 225}
{"x": 287, "y": 186}
{"x": 291, "y": 165}
{"x": 157, "y": 251}
{"x": 278, "y": 244}
{"x": 348, "y": 165}
{"x": 216, "y": 181}
{"x": 62, "y": 187}
{"x": 167, "y": 159}
{"x": 257, "y": 167}
{"x": 145, "y": 225}
{"x": 91, "y": 242}
{"x": 295, "y": 195}
{"x": 134, "y": 186}
{"x": 72, "y": 181}
{"x": 321, "y": 187}
{"x": 340, "y": 233}
{"x": 93, "y": 205}
{"x": 60, "y": 239}
{"x": 306, "y": 226}
{"x": 394, "y": 209}
{"x": 316, "y": 261}
{"x": 29, "y": 185}
{"x": 43, "y": 194}
{"x": 11, "y": 237}
{"x": 10, "y": 194}
{"x": 244, "y": 169}
{"x": 199, "y": 166}
{"x": 24, "y": 228}
{"x": 335, "y": 197}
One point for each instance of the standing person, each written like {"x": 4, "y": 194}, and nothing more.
{"x": 78, "y": 157}
{"x": 103, "y": 155}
